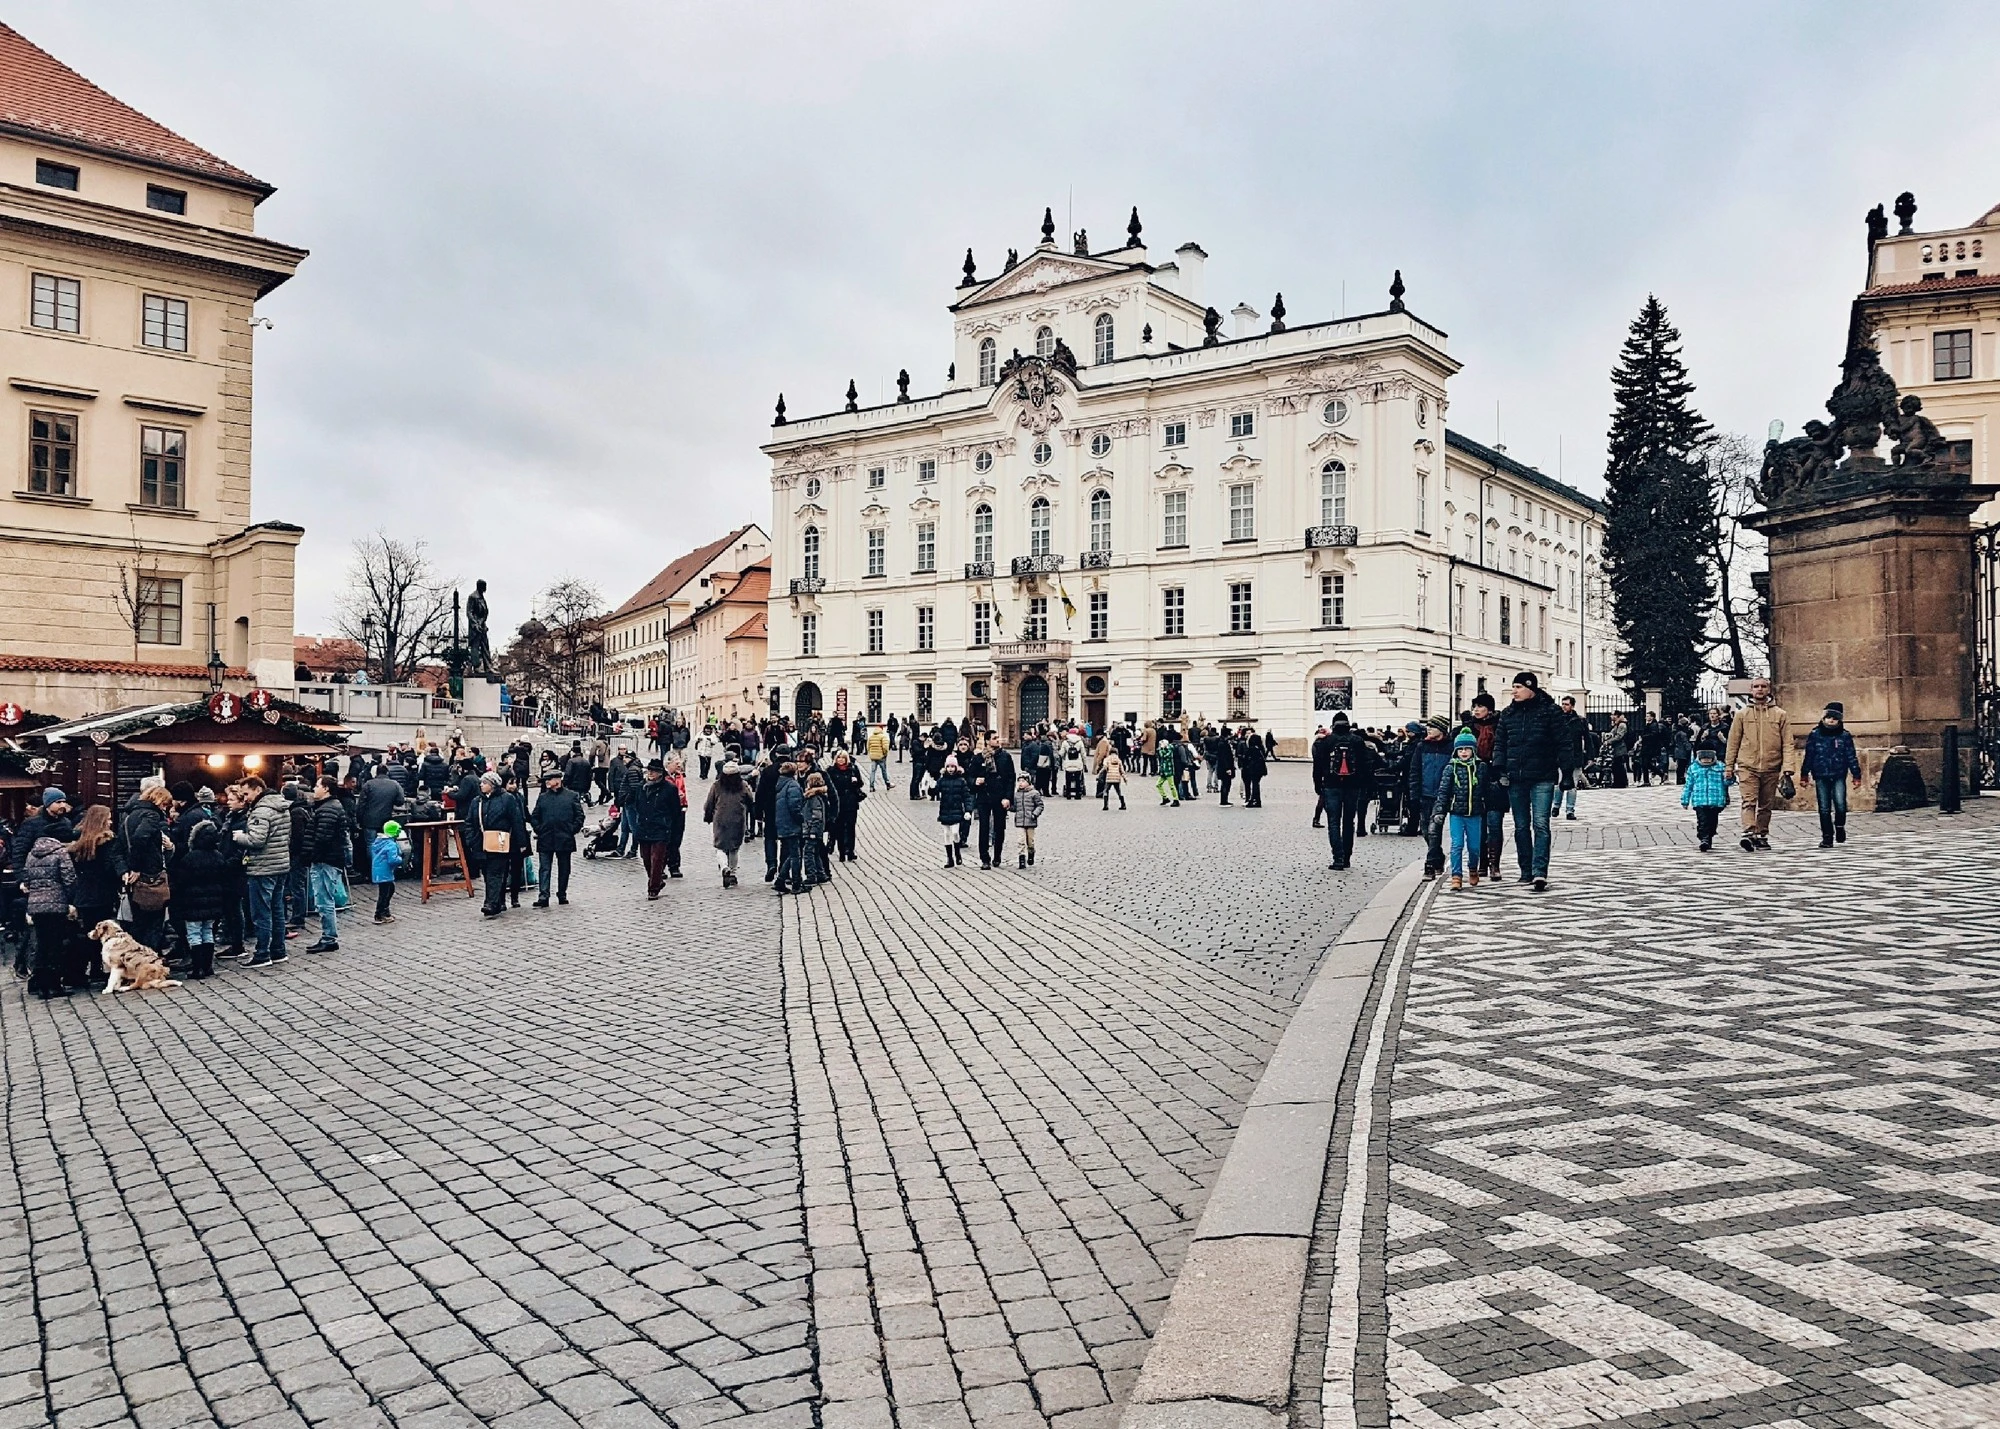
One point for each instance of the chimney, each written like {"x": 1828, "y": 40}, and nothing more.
{"x": 1246, "y": 320}
{"x": 1190, "y": 258}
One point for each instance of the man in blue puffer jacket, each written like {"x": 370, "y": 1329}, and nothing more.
{"x": 1428, "y": 759}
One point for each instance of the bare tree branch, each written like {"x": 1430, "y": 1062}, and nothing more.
{"x": 558, "y": 653}
{"x": 1734, "y": 645}
{"x": 396, "y": 605}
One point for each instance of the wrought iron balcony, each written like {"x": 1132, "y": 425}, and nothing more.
{"x": 1320, "y": 538}
{"x": 979, "y": 570}
{"x": 808, "y": 585}
{"x": 1094, "y": 561}
{"x": 1036, "y": 565}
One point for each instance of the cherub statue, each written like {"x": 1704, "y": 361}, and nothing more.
{"x": 1918, "y": 444}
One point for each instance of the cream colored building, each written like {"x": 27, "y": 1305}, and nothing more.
{"x": 638, "y": 661}
{"x": 1932, "y": 305}
{"x": 129, "y": 272}
{"x": 1118, "y": 509}
{"x": 718, "y": 651}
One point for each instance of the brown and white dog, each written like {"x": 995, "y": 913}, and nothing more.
{"x": 130, "y": 962}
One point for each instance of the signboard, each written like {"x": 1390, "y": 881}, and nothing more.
{"x": 1333, "y": 692}
{"x": 840, "y": 703}
{"x": 11, "y": 714}
{"x": 257, "y": 701}
{"x": 224, "y": 707}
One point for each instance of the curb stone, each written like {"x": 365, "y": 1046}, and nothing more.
{"x": 1223, "y": 1355}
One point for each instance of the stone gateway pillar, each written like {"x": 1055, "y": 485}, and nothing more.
{"x": 1871, "y": 580}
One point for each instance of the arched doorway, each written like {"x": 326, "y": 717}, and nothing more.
{"x": 804, "y": 702}
{"x": 1034, "y": 702}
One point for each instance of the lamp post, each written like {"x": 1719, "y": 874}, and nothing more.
{"x": 367, "y": 641}
{"x": 216, "y": 670}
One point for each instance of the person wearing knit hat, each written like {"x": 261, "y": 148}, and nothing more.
{"x": 1423, "y": 776}
{"x": 1532, "y": 751}
{"x": 1830, "y": 760}
{"x": 1344, "y": 774}
{"x": 1461, "y": 798}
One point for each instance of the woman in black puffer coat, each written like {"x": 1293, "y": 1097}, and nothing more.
{"x": 202, "y": 884}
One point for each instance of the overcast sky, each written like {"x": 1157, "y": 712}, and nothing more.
{"x": 565, "y": 256}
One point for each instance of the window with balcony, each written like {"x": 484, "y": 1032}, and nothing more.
{"x": 1243, "y": 512}
{"x": 878, "y": 551}
{"x": 1040, "y": 522}
{"x": 1333, "y": 494}
{"x": 989, "y": 362}
{"x": 926, "y": 546}
{"x": 1173, "y": 610}
{"x": 1951, "y": 355}
{"x": 1174, "y": 519}
{"x": 982, "y": 533}
{"x": 1100, "y": 615}
{"x": 1104, "y": 345}
{"x": 1332, "y": 600}
{"x": 1100, "y": 521}
{"x": 809, "y": 553}
{"x": 1242, "y": 616}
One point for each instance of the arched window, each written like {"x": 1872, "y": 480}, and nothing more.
{"x": 982, "y": 532}
{"x": 989, "y": 362}
{"x": 1045, "y": 342}
{"x": 1038, "y": 526}
{"x": 1105, "y": 348}
{"x": 811, "y": 562}
{"x": 1333, "y": 494}
{"x": 1100, "y": 520}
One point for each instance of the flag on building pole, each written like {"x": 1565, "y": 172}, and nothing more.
{"x": 1069, "y": 606}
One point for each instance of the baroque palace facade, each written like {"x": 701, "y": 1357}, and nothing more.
{"x": 1126, "y": 513}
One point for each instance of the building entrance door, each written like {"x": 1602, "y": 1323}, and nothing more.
{"x": 1093, "y": 715}
{"x": 1034, "y": 702}
{"x": 804, "y": 703}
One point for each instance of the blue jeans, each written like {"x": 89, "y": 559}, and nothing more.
{"x": 1465, "y": 832}
{"x": 1569, "y": 800}
{"x": 324, "y": 880}
{"x": 1495, "y": 841}
{"x": 1531, "y": 804}
{"x": 788, "y": 861}
{"x": 297, "y": 899}
{"x": 1831, "y": 795}
{"x": 881, "y": 767}
{"x": 1342, "y": 804}
{"x": 627, "y": 840}
{"x": 267, "y": 912}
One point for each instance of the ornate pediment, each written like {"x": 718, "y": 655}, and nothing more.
{"x": 1331, "y": 375}
{"x": 805, "y": 459}
{"x": 979, "y": 489}
{"x": 1042, "y": 270}
{"x": 1174, "y": 471}
{"x": 874, "y": 511}
{"x": 1240, "y": 466}
{"x": 1034, "y": 383}
{"x": 924, "y": 506}
{"x": 811, "y": 510}
{"x": 1099, "y": 476}
{"x": 1040, "y": 481}
{"x": 1331, "y": 441}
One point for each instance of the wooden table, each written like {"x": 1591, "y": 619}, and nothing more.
{"x": 442, "y": 862}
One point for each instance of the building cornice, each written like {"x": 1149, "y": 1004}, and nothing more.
{"x": 261, "y": 262}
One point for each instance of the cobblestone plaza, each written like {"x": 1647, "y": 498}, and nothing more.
{"x": 1690, "y": 1138}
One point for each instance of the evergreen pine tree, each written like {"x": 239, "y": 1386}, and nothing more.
{"x": 1661, "y": 511}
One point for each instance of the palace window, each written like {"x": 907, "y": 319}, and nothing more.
{"x": 1104, "y": 345}
{"x": 1173, "y": 610}
{"x": 166, "y": 323}
{"x": 1423, "y": 502}
{"x": 1332, "y": 600}
{"x": 1241, "y": 614}
{"x": 165, "y": 200}
{"x": 1100, "y": 520}
{"x": 874, "y": 701}
{"x": 875, "y": 632}
{"x": 1100, "y": 615}
{"x": 162, "y": 467}
{"x": 926, "y": 546}
{"x": 1506, "y": 620}
{"x": 59, "y": 176}
{"x": 927, "y": 469}
{"x": 57, "y": 304}
{"x": 982, "y": 532}
{"x": 808, "y": 635}
{"x": 1174, "y": 525}
{"x": 1045, "y": 342}
{"x": 1175, "y": 435}
{"x": 878, "y": 477}
{"x": 989, "y": 362}
{"x": 927, "y": 627}
{"x": 1423, "y": 694}
{"x": 924, "y": 693}
{"x": 1951, "y": 355}
{"x": 1423, "y": 600}
{"x": 1170, "y": 695}
{"x": 1100, "y": 444}
{"x": 158, "y": 618}
{"x": 52, "y": 453}
{"x": 1333, "y": 494}
{"x": 809, "y": 547}
{"x": 878, "y": 552}
{"x": 1243, "y": 512}
{"x": 1038, "y": 619}
{"x": 1039, "y": 522}
{"x": 982, "y": 622}
{"x": 1482, "y": 615}
{"x": 1242, "y": 424}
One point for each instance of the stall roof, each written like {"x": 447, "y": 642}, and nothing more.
{"x": 140, "y": 727}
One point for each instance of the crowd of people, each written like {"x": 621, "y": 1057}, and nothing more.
{"x": 200, "y": 875}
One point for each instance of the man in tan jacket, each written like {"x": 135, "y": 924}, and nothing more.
{"x": 1760, "y": 740}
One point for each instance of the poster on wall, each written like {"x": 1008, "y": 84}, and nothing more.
{"x": 1333, "y": 692}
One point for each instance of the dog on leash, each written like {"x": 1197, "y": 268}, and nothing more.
{"x": 130, "y": 962}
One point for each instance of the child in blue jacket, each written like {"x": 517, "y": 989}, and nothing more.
{"x": 1706, "y": 791}
{"x": 386, "y": 860}
{"x": 1463, "y": 791}
{"x": 1830, "y": 761}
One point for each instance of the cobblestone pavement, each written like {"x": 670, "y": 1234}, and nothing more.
{"x": 1694, "y": 1138}
{"x": 556, "y": 1170}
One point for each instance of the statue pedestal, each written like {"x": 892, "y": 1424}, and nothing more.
{"x": 1872, "y": 606}
{"x": 482, "y": 697}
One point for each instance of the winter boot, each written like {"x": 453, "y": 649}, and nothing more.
{"x": 1031, "y": 858}
{"x": 202, "y": 956}
{"x": 1020, "y": 860}
{"x": 1457, "y": 882}
{"x": 1475, "y": 878}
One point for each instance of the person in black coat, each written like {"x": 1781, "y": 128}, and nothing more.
{"x": 845, "y": 784}
{"x": 329, "y": 845}
{"x": 954, "y": 801}
{"x": 1533, "y": 749}
{"x": 766, "y": 803}
{"x": 497, "y": 810}
{"x": 146, "y": 846}
{"x": 993, "y": 795}
{"x": 404, "y": 772}
{"x": 1344, "y": 773}
{"x": 1221, "y": 752}
{"x": 380, "y": 797}
{"x": 201, "y": 895}
{"x": 434, "y": 774}
{"x": 1251, "y": 759}
{"x": 558, "y": 818}
{"x": 658, "y": 821}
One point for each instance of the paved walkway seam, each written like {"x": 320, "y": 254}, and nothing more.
{"x": 1223, "y": 1355}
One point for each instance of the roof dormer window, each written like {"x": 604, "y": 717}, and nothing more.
{"x": 57, "y": 176}
{"x": 165, "y": 200}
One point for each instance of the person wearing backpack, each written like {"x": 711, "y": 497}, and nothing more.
{"x": 1344, "y": 770}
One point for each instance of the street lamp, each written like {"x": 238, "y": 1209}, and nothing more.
{"x": 216, "y": 670}
{"x": 367, "y": 640}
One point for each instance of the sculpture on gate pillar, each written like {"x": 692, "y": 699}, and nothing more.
{"x": 1863, "y": 405}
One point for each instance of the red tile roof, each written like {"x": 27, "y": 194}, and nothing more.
{"x": 757, "y": 627}
{"x": 1932, "y": 285}
{"x": 669, "y": 581}
{"x": 64, "y": 665}
{"x": 41, "y": 95}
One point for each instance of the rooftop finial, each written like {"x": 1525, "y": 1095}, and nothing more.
{"x": 1048, "y": 225}
{"x": 1906, "y": 211}
{"x": 1132, "y": 230}
{"x": 1146, "y": 336}
{"x": 781, "y": 411}
{"x": 903, "y": 385}
{"x": 971, "y": 268}
{"x": 1396, "y": 293}
{"x": 1278, "y": 313}
{"x": 853, "y": 396}
{"x": 1211, "y": 322}
{"x": 1013, "y": 257}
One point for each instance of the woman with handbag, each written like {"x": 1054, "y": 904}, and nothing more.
{"x": 100, "y": 880}
{"x": 498, "y": 826}
{"x": 146, "y": 849}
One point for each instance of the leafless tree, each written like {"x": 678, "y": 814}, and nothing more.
{"x": 1735, "y": 645}
{"x": 139, "y": 590}
{"x": 396, "y": 605}
{"x": 559, "y": 652}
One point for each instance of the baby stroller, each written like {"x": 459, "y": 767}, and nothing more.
{"x": 1389, "y": 798}
{"x": 602, "y": 837}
